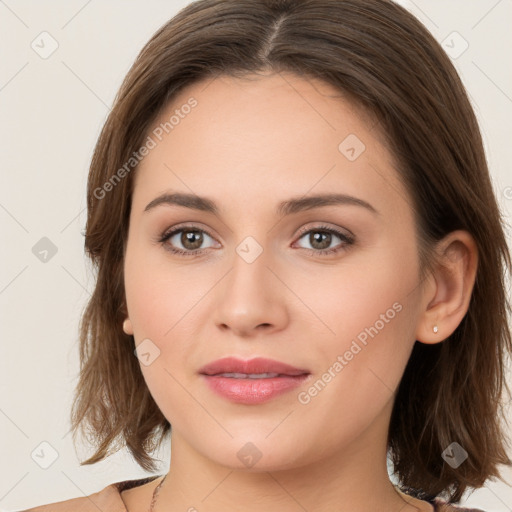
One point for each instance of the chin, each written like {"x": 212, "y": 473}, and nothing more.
{"x": 256, "y": 453}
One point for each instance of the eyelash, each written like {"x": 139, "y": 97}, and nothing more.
{"x": 347, "y": 240}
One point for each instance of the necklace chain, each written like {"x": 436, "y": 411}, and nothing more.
{"x": 157, "y": 490}
{"x": 155, "y": 494}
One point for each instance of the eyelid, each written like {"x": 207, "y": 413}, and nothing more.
{"x": 301, "y": 231}
{"x": 342, "y": 231}
{"x": 193, "y": 226}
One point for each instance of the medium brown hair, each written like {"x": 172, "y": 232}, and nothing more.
{"x": 386, "y": 61}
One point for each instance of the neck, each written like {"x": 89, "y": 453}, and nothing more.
{"x": 353, "y": 479}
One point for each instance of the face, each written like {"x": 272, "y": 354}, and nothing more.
{"x": 330, "y": 288}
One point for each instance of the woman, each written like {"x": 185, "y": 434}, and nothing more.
{"x": 300, "y": 265}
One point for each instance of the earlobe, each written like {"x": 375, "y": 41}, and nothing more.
{"x": 432, "y": 333}
{"x": 447, "y": 298}
{"x": 127, "y": 327}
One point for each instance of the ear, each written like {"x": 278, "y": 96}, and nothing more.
{"x": 127, "y": 326}
{"x": 447, "y": 292}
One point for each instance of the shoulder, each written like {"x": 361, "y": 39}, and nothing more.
{"x": 442, "y": 506}
{"x": 108, "y": 498}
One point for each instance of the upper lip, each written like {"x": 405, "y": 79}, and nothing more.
{"x": 252, "y": 366}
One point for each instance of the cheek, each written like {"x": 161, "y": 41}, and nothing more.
{"x": 160, "y": 306}
{"x": 368, "y": 312}
{"x": 361, "y": 295}
{"x": 152, "y": 296}
{"x": 164, "y": 301}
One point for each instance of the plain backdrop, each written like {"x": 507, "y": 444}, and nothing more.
{"x": 52, "y": 107}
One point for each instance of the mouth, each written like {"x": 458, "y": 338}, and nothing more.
{"x": 251, "y": 382}
{"x": 258, "y": 367}
{"x": 249, "y": 375}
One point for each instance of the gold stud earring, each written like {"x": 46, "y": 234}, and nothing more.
{"x": 435, "y": 329}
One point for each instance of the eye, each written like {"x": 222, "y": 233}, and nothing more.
{"x": 321, "y": 237}
{"x": 190, "y": 238}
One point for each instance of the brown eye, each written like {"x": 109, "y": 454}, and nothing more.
{"x": 321, "y": 238}
{"x": 185, "y": 241}
{"x": 191, "y": 240}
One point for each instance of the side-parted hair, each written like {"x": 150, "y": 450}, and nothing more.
{"x": 381, "y": 57}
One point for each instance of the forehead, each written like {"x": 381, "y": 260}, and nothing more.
{"x": 261, "y": 99}
{"x": 254, "y": 135}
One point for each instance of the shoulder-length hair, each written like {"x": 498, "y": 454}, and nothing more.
{"x": 382, "y": 58}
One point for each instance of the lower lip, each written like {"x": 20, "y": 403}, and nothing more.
{"x": 253, "y": 391}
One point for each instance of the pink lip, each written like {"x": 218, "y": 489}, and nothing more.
{"x": 250, "y": 390}
{"x": 256, "y": 365}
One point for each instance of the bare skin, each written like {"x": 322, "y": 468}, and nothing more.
{"x": 139, "y": 497}
{"x": 248, "y": 145}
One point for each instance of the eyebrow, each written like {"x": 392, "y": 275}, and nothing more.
{"x": 289, "y": 207}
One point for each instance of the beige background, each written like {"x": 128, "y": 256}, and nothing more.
{"x": 51, "y": 112}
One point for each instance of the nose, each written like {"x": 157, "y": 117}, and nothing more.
{"x": 252, "y": 299}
